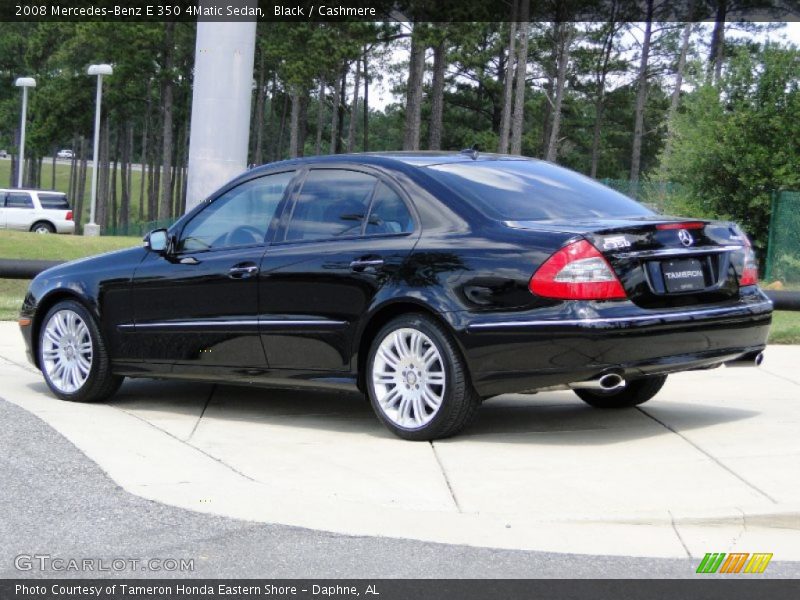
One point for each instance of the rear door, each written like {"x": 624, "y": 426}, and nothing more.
{"x": 347, "y": 232}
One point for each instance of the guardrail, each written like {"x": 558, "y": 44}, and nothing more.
{"x": 28, "y": 269}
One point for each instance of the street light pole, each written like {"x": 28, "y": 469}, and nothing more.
{"x": 91, "y": 227}
{"x": 24, "y": 83}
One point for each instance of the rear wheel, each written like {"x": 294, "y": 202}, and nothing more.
{"x": 417, "y": 381}
{"x": 637, "y": 391}
{"x": 43, "y": 227}
{"x": 73, "y": 356}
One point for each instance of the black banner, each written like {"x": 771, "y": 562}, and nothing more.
{"x": 733, "y": 588}
{"x": 382, "y": 10}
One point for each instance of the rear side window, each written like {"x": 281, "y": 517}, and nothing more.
{"x": 389, "y": 214}
{"x": 523, "y": 190}
{"x": 332, "y": 203}
{"x": 19, "y": 200}
{"x": 53, "y": 201}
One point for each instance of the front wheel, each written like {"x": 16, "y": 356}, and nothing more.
{"x": 417, "y": 381}
{"x": 73, "y": 356}
{"x": 637, "y": 391}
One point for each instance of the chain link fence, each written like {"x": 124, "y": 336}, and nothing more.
{"x": 783, "y": 251}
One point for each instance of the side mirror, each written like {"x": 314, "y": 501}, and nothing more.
{"x": 157, "y": 241}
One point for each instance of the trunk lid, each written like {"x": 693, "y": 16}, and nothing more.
{"x": 663, "y": 261}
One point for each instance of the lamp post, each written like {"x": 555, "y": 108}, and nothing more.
{"x": 24, "y": 83}
{"x": 93, "y": 228}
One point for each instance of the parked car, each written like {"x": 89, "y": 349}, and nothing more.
{"x": 429, "y": 281}
{"x": 39, "y": 211}
{"x": 3, "y": 153}
{"x": 66, "y": 153}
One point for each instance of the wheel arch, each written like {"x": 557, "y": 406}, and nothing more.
{"x": 380, "y": 317}
{"x": 45, "y": 222}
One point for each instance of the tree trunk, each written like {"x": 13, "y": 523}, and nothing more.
{"x": 53, "y": 171}
{"x": 508, "y": 84}
{"x": 143, "y": 159}
{"x": 340, "y": 111}
{"x": 564, "y": 37}
{"x": 294, "y": 124}
{"x": 366, "y": 104}
{"x": 676, "y": 93}
{"x": 279, "y": 148}
{"x": 259, "y": 120}
{"x": 716, "y": 52}
{"x": 641, "y": 99}
{"x": 334, "y": 118}
{"x": 518, "y": 120}
{"x": 320, "y": 116}
{"x": 437, "y": 96}
{"x": 165, "y": 203}
{"x": 80, "y": 189}
{"x": 270, "y": 120}
{"x": 101, "y": 209}
{"x": 599, "y": 103}
{"x": 416, "y": 71}
{"x": 351, "y": 133}
{"x": 125, "y": 179}
{"x": 73, "y": 173}
{"x": 113, "y": 196}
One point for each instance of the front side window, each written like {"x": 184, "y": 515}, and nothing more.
{"x": 332, "y": 203}
{"x": 240, "y": 217}
{"x": 19, "y": 200}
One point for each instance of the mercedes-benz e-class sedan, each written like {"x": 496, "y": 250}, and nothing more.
{"x": 429, "y": 281}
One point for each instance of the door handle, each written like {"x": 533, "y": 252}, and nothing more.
{"x": 244, "y": 271}
{"x": 362, "y": 263}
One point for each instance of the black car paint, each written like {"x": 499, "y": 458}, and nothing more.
{"x": 307, "y": 317}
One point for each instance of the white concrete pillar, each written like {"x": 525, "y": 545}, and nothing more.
{"x": 220, "y": 127}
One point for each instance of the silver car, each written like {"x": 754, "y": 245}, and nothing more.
{"x": 35, "y": 210}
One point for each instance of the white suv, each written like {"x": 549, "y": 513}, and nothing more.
{"x": 35, "y": 210}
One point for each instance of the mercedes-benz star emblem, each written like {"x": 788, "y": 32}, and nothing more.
{"x": 685, "y": 237}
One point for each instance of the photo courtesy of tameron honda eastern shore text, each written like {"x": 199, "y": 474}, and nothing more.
{"x": 429, "y": 281}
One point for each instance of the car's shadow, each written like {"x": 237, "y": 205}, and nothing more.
{"x": 552, "y": 418}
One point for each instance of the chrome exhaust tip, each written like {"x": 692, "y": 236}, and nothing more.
{"x": 754, "y": 359}
{"x": 606, "y": 383}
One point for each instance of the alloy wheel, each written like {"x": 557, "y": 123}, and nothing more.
{"x": 408, "y": 376}
{"x": 67, "y": 351}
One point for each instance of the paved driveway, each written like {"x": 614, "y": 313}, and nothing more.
{"x": 710, "y": 465}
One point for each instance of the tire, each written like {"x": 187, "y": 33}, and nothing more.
{"x": 426, "y": 409}
{"x": 637, "y": 391}
{"x": 73, "y": 357}
{"x": 43, "y": 227}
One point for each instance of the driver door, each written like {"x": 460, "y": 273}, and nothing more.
{"x": 196, "y": 308}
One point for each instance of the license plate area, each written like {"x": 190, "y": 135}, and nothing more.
{"x": 685, "y": 275}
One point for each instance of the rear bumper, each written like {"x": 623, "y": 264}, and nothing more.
{"x": 64, "y": 226}
{"x": 577, "y": 341}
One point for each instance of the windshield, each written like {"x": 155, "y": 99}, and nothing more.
{"x": 525, "y": 190}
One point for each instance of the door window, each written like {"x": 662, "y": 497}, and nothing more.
{"x": 19, "y": 200}
{"x": 389, "y": 214}
{"x": 332, "y": 203}
{"x": 240, "y": 217}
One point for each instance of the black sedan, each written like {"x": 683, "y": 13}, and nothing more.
{"x": 429, "y": 281}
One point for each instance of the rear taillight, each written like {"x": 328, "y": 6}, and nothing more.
{"x": 576, "y": 272}
{"x": 749, "y": 274}
{"x": 69, "y": 215}
{"x": 681, "y": 225}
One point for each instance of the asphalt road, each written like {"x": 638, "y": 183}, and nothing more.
{"x": 55, "y": 501}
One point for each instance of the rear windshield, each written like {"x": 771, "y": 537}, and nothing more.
{"x": 525, "y": 190}
{"x": 58, "y": 201}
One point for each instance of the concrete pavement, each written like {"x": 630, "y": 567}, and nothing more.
{"x": 710, "y": 465}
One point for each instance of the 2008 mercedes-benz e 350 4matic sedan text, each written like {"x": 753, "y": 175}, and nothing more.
{"x": 429, "y": 281}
